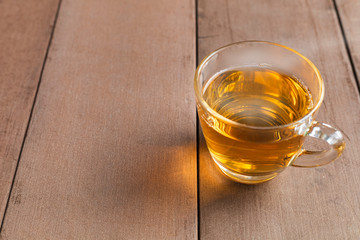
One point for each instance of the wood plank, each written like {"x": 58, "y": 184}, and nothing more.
{"x": 350, "y": 18}
{"x": 318, "y": 203}
{"x": 25, "y": 28}
{"x": 111, "y": 149}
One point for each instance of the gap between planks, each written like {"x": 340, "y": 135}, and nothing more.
{"x": 346, "y": 43}
{"x": 197, "y": 125}
{"x": 31, "y": 112}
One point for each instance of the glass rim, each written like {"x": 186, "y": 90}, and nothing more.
{"x": 198, "y": 92}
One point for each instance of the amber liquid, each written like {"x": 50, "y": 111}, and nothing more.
{"x": 255, "y": 97}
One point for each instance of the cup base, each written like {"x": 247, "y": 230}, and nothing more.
{"x": 244, "y": 178}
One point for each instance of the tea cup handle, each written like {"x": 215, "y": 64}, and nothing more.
{"x": 331, "y": 136}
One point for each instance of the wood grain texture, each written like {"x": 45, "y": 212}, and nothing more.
{"x": 349, "y": 13}
{"x": 318, "y": 203}
{"x": 25, "y": 29}
{"x": 111, "y": 150}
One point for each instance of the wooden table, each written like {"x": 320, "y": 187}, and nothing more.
{"x": 99, "y": 137}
